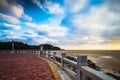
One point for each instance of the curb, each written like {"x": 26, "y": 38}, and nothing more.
{"x": 53, "y": 68}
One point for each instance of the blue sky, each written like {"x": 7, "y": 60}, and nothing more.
{"x": 70, "y": 24}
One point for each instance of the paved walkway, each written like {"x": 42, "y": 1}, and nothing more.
{"x": 24, "y": 67}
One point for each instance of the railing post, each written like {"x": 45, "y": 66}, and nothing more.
{"x": 62, "y": 61}
{"x": 37, "y": 53}
{"x": 40, "y": 53}
{"x": 32, "y": 52}
{"x": 54, "y": 53}
{"x": 44, "y": 54}
{"x": 81, "y": 61}
{"x": 49, "y": 55}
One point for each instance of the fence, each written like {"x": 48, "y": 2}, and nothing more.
{"x": 81, "y": 71}
{"x": 76, "y": 70}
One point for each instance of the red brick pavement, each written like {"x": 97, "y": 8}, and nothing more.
{"x": 24, "y": 67}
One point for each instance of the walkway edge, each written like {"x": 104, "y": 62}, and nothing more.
{"x": 53, "y": 68}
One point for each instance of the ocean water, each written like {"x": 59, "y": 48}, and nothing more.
{"x": 108, "y": 60}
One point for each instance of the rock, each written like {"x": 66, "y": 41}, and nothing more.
{"x": 91, "y": 64}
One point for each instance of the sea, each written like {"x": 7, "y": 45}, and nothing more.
{"x": 107, "y": 60}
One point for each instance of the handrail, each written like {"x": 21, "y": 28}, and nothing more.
{"x": 94, "y": 73}
{"x": 73, "y": 63}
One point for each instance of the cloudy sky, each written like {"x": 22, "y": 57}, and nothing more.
{"x": 69, "y": 24}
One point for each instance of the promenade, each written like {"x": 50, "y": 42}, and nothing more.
{"x": 24, "y": 67}
{"x": 27, "y": 65}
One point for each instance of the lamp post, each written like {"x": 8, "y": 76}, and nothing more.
{"x": 12, "y": 42}
{"x": 12, "y": 46}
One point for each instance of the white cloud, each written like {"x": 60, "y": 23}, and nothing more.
{"x": 17, "y": 27}
{"x": 33, "y": 25}
{"x": 92, "y": 39}
{"x": 26, "y": 17}
{"x": 52, "y": 31}
{"x": 98, "y": 22}
{"x": 17, "y": 10}
{"x": 75, "y": 5}
{"x": 53, "y": 8}
{"x": 38, "y": 3}
{"x": 14, "y": 9}
{"x": 34, "y": 39}
{"x": 9, "y": 34}
{"x": 49, "y": 6}
{"x": 43, "y": 40}
{"x": 31, "y": 34}
{"x": 10, "y": 19}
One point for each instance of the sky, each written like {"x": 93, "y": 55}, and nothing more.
{"x": 69, "y": 24}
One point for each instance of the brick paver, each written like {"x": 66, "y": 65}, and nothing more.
{"x": 24, "y": 67}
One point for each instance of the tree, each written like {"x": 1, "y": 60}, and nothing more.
{"x": 23, "y": 46}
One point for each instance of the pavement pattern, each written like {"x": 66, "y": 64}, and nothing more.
{"x": 24, "y": 67}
